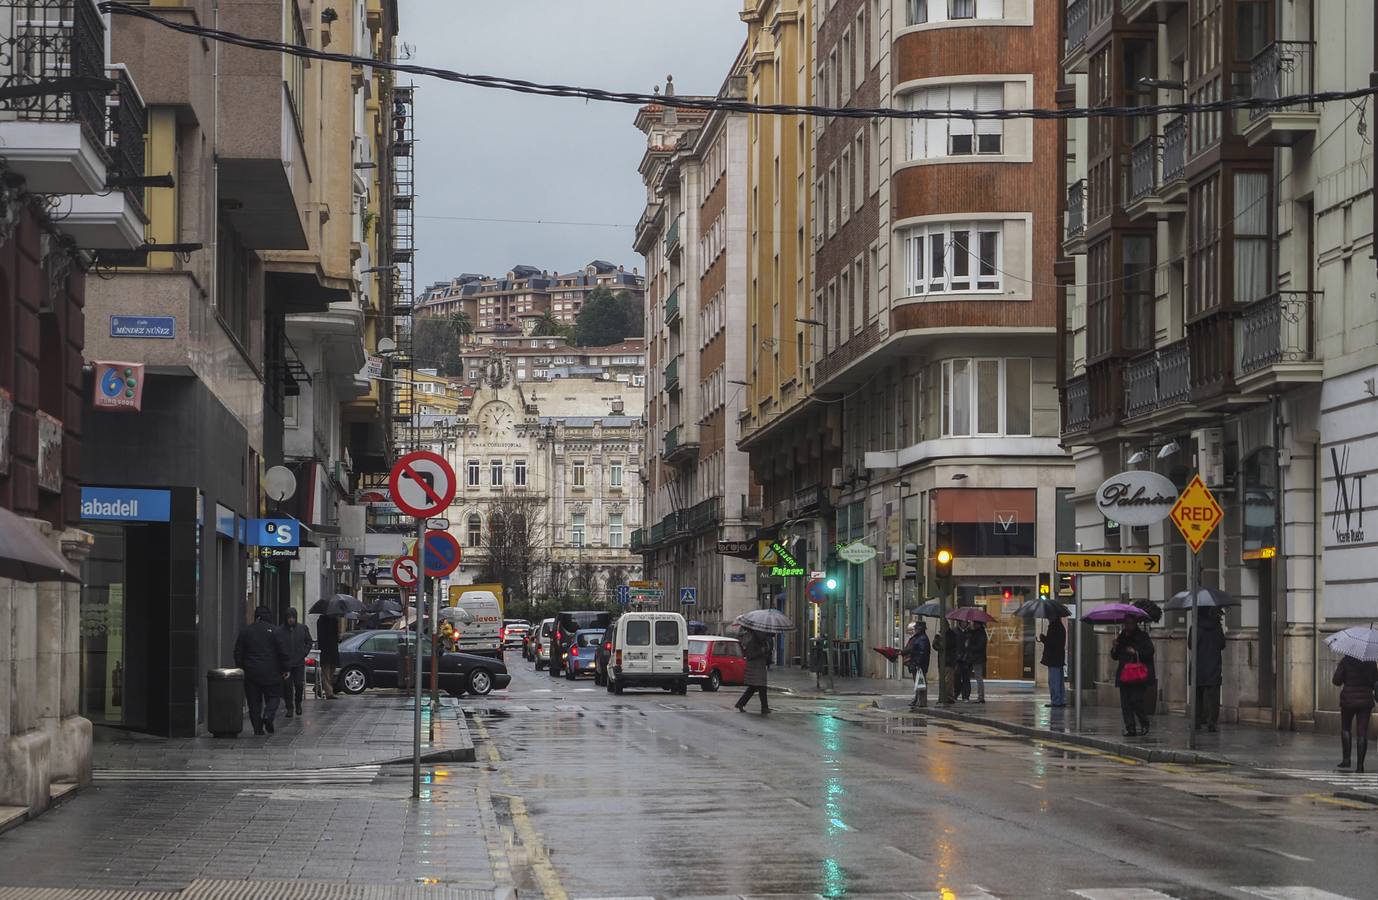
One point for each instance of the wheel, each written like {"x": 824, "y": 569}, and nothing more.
{"x": 617, "y": 688}
{"x": 480, "y": 682}
{"x": 354, "y": 680}
{"x": 682, "y": 688}
{"x": 714, "y": 682}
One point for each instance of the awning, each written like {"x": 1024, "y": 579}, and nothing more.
{"x": 25, "y": 555}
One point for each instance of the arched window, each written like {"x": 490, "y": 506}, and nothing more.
{"x": 475, "y": 530}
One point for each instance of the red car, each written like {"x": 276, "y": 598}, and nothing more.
{"x": 715, "y": 661}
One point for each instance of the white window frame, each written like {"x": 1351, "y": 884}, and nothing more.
{"x": 929, "y": 139}
{"x": 615, "y": 531}
{"x": 472, "y": 468}
{"x": 519, "y": 472}
{"x": 916, "y": 249}
{"x": 576, "y": 530}
{"x": 495, "y": 468}
{"x": 578, "y": 473}
{"x": 948, "y": 397}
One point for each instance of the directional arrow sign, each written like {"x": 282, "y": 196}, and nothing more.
{"x": 422, "y": 484}
{"x": 1111, "y": 563}
{"x": 405, "y": 572}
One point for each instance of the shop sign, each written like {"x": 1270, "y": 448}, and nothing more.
{"x": 1196, "y": 514}
{"x": 740, "y": 549}
{"x": 374, "y": 367}
{"x": 119, "y": 386}
{"x": 342, "y": 558}
{"x": 1347, "y": 509}
{"x": 224, "y": 521}
{"x": 1136, "y": 498}
{"x": 890, "y": 570}
{"x": 785, "y": 565}
{"x": 278, "y": 553}
{"x": 275, "y": 533}
{"x": 107, "y": 504}
{"x": 49, "y": 453}
{"x": 6, "y": 415}
{"x": 856, "y": 553}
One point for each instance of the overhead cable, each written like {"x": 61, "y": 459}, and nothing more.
{"x": 727, "y": 104}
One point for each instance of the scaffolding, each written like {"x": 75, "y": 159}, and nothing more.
{"x": 402, "y": 177}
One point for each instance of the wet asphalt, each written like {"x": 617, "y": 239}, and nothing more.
{"x": 651, "y": 794}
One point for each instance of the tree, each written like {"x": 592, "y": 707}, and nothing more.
{"x": 549, "y": 326}
{"x": 435, "y": 345}
{"x": 633, "y": 313}
{"x": 460, "y": 326}
{"x": 516, "y": 545}
{"x": 605, "y": 319}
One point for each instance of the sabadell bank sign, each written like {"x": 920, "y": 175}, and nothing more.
{"x": 1136, "y": 498}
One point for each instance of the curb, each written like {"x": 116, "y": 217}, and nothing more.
{"x": 461, "y": 750}
{"x": 1134, "y": 751}
{"x": 1358, "y": 797}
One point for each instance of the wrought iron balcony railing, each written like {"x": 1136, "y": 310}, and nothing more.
{"x": 1143, "y": 169}
{"x": 1076, "y": 209}
{"x": 672, "y": 306}
{"x": 1175, "y": 149}
{"x": 1157, "y": 379}
{"x": 1276, "y": 329}
{"x": 45, "y": 41}
{"x": 127, "y": 123}
{"x": 703, "y": 515}
{"x": 672, "y": 235}
{"x": 1078, "y": 398}
{"x": 1281, "y": 69}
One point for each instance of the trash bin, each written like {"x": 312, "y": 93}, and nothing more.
{"x": 225, "y": 702}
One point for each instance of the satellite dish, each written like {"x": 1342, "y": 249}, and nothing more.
{"x": 387, "y": 345}
{"x": 280, "y": 483}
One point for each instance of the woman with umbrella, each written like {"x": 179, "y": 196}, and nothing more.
{"x": 1357, "y": 677}
{"x": 1133, "y": 650}
{"x": 331, "y": 610}
{"x": 756, "y": 648}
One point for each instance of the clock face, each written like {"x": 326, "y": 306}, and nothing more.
{"x": 497, "y": 419}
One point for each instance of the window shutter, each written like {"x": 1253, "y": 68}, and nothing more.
{"x": 989, "y": 97}
{"x": 990, "y": 9}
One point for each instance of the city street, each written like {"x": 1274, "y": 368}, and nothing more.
{"x": 577, "y": 793}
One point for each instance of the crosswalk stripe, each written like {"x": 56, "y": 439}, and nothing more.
{"x": 1291, "y": 893}
{"x": 1122, "y": 894}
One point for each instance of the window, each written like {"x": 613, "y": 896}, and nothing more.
{"x": 1137, "y": 312}
{"x": 615, "y": 473}
{"x": 919, "y": 12}
{"x": 615, "y": 530}
{"x": 475, "y": 529}
{"x": 961, "y": 9}
{"x": 639, "y": 633}
{"x": 472, "y": 479}
{"x": 938, "y": 138}
{"x": 519, "y": 472}
{"x": 667, "y": 633}
{"x": 577, "y": 473}
{"x": 915, "y": 12}
{"x": 1251, "y": 257}
{"x": 987, "y": 397}
{"x": 495, "y": 472}
{"x": 576, "y": 531}
{"x": 952, "y": 258}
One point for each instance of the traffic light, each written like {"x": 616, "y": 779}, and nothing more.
{"x": 1045, "y": 586}
{"x": 1007, "y": 595}
{"x": 1066, "y": 584}
{"x": 942, "y": 563}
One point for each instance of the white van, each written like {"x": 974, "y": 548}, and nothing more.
{"x": 484, "y": 635}
{"x": 650, "y": 649}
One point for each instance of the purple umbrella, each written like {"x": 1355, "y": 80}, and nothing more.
{"x": 970, "y": 614}
{"x": 1114, "y": 612}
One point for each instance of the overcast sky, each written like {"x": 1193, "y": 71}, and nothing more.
{"x": 486, "y": 154}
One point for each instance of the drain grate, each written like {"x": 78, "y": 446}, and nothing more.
{"x": 278, "y": 890}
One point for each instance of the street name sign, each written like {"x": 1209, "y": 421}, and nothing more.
{"x": 422, "y": 484}
{"x": 1110, "y": 564}
{"x": 1196, "y": 514}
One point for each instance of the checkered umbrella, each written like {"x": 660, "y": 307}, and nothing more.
{"x": 1360, "y": 642}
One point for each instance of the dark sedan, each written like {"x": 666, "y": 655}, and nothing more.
{"x": 369, "y": 659}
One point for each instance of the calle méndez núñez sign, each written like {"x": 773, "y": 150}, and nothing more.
{"x": 1136, "y": 498}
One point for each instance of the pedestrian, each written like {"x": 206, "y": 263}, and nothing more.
{"x": 756, "y": 649}
{"x": 261, "y": 653}
{"x": 1210, "y": 668}
{"x": 1133, "y": 650}
{"x": 297, "y": 638}
{"x": 328, "y": 638}
{"x": 1054, "y": 642}
{"x": 917, "y": 653}
{"x": 976, "y": 642}
{"x": 964, "y": 660}
{"x": 1356, "y": 680}
{"x": 950, "y": 644}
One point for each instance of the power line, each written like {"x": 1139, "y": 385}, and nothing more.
{"x": 528, "y": 221}
{"x": 710, "y": 104}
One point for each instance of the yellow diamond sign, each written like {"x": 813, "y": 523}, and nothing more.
{"x": 1196, "y": 513}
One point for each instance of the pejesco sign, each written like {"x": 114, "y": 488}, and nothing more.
{"x": 1136, "y": 498}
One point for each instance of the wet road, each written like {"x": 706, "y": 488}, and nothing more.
{"x": 650, "y": 794}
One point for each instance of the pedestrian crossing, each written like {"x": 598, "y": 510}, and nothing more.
{"x": 344, "y": 775}
{"x": 1367, "y": 781}
{"x": 976, "y": 892}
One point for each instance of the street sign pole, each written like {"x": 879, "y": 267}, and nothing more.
{"x": 1076, "y": 657}
{"x": 420, "y": 606}
{"x": 1192, "y": 638}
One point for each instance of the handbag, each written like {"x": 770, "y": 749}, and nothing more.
{"x": 1134, "y": 673}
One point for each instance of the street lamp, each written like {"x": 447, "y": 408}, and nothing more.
{"x": 1169, "y": 449}
{"x": 1139, "y": 456}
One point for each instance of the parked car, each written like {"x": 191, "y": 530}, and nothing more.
{"x": 513, "y": 633}
{"x": 368, "y": 659}
{"x": 715, "y": 661}
{"x": 583, "y": 653}
{"x": 650, "y": 649}
{"x": 540, "y": 647}
{"x": 603, "y": 657}
{"x": 567, "y": 624}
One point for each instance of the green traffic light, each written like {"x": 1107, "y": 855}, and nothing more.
{"x": 831, "y": 584}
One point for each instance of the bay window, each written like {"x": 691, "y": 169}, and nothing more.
{"x": 919, "y": 12}
{"x": 938, "y": 138}
{"x": 987, "y": 396}
{"x": 952, "y": 258}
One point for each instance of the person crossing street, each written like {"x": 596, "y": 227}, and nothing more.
{"x": 297, "y": 640}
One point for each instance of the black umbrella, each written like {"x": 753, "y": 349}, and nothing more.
{"x": 1038, "y": 608}
{"x": 932, "y": 609}
{"x": 1205, "y": 597}
{"x": 385, "y": 609}
{"x": 1151, "y": 609}
{"x": 26, "y": 556}
{"x": 338, "y": 605}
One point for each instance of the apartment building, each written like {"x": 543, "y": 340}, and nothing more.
{"x": 72, "y": 128}
{"x": 782, "y": 428}
{"x": 258, "y": 280}
{"x": 1218, "y": 282}
{"x": 936, "y": 306}
{"x": 699, "y": 489}
{"x": 514, "y": 303}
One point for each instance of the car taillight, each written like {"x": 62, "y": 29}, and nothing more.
{"x": 502, "y": 634}
{"x": 618, "y": 661}
{"x": 311, "y": 662}
{"x": 608, "y": 646}
{"x": 574, "y": 652}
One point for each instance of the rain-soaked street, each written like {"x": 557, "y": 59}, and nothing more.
{"x": 649, "y": 794}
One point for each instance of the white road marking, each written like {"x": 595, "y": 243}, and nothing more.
{"x": 793, "y": 802}
{"x": 1090, "y": 802}
{"x": 1030, "y": 784}
{"x": 1282, "y": 853}
{"x": 1122, "y": 894}
{"x": 1291, "y": 893}
{"x": 1169, "y": 824}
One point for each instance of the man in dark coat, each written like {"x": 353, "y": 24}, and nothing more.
{"x": 973, "y": 661}
{"x": 1054, "y": 642}
{"x": 950, "y": 644}
{"x": 917, "y": 655}
{"x": 297, "y": 638}
{"x": 261, "y": 653}
{"x": 756, "y": 649}
{"x": 1210, "y": 669}
{"x": 328, "y": 636}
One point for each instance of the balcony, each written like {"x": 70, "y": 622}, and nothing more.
{"x": 672, "y": 241}
{"x": 1173, "y": 185}
{"x": 1075, "y": 241}
{"x": 703, "y": 516}
{"x": 1078, "y": 20}
{"x": 665, "y": 529}
{"x": 1157, "y": 380}
{"x": 672, "y": 374}
{"x": 680, "y": 444}
{"x": 1141, "y": 182}
{"x": 806, "y": 500}
{"x": 54, "y": 138}
{"x": 672, "y": 306}
{"x": 115, "y": 219}
{"x": 1280, "y": 70}
{"x": 1275, "y": 343}
{"x": 638, "y": 540}
{"x": 1148, "y": 12}
{"x": 1077, "y": 394}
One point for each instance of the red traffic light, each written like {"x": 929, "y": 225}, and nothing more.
{"x": 1008, "y": 593}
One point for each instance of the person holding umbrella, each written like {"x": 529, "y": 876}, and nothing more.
{"x": 1054, "y": 658}
{"x": 1133, "y": 650}
{"x": 1357, "y": 677}
{"x": 756, "y": 649}
{"x": 328, "y": 633}
{"x": 1210, "y": 668}
{"x": 974, "y": 659}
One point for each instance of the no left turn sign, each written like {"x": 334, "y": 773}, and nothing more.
{"x": 422, "y": 484}
{"x": 405, "y": 572}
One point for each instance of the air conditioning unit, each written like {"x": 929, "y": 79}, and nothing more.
{"x": 839, "y": 477}
{"x": 1210, "y": 455}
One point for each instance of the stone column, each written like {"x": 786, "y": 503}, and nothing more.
{"x": 70, "y": 731}
{"x": 24, "y": 751}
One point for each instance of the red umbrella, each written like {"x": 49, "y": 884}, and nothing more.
{"x": 970, "y": 614}
{"x": 889, "y": 653}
